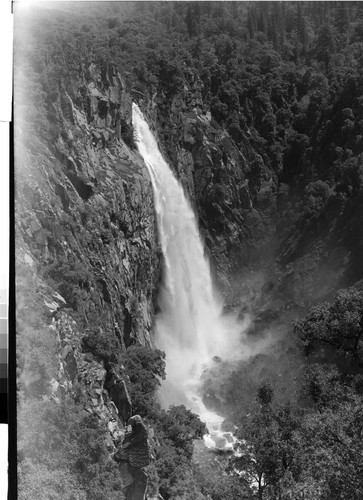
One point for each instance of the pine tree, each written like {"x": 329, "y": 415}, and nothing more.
{"x": 325, "y": 45}
{"x": 193, "y": 18}
{"x": 302, "y": 29}
{"x": 190, "y": 21}
{"x": 251, "y": 23}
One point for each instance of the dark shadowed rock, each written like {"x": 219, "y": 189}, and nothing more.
{"x": 135, "y": 452}
{"x": 120, "y": 396}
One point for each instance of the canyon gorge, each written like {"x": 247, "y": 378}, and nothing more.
{"x": 188, "y": 186}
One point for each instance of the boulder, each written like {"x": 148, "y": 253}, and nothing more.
{"x": 137, "y": 489}
{"x": 134, "y": 452}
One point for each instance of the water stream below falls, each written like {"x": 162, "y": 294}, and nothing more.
{"x": 191, "y": 327}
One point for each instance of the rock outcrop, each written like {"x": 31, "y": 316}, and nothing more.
{"x": 307, "y": 243}
{"x": 86, "y": 241}
{"x": 116, "y": 386}
{"x": 85, "y": 211}
{"x": 133, "y": 455}
{"x": 233, "y": 191}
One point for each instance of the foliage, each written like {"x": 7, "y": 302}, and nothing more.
{"x": 36, "y": 359}
{"x": 62, "y": 453}
{"x": 144, "y": 366}
{"x": 268, "y": 448}
{"x": 324, "y": 386}
{"x": 288, "y": 77}
{"x": 287, "y": 452}
{"x": 310, "y": 448}
{"x": 181, "y": 426}
{"x": 176, "y": 428}
{"x": 36, "y": 343}
{"x": 332, "y": 454}
{"x": 338, "y": 325}
{"x": 226, "y": 487}
{"x": 70, "y": 278}
{"x": 102, "y": 343}
{"x": 284, "y": 78}
{"x": 172, "y": 471}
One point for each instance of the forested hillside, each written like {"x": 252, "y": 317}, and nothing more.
{"x": 258, "y": 107}
{"x": 285, "y": 82}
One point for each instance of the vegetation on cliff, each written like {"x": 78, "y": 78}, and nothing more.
{"x": 259, "y": 107}
{"x": 284, "y": 80}
{"x": 310, "y": 445}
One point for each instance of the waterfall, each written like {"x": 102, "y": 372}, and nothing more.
{"x": 191, "y": 327}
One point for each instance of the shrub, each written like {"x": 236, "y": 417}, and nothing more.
{"x": 63, "y": 450}
{"x": 102, "y": 343}
{"x": 145, "y": 366}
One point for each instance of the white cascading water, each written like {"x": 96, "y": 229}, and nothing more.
{"x": 191, "y": 327}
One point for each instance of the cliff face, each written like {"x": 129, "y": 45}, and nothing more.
{"x": 265, "y": 137}
{"x": 293, "y": 244}
{"x": 233, "y": 192}
{"x": 248, "y": 130}
{"x": 85, "y": 216}
{"x": 87, "y": 254}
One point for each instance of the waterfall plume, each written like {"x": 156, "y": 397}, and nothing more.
{"x": 191, "y": 327}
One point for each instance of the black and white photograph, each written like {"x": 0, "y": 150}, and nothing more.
{"x": 188, "y": 250}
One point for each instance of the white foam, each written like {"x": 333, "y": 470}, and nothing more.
{"x": 191, "y": 327}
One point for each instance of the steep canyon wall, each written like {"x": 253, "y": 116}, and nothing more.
{"x": 278, "y": 213}
{"x": 87, "y": 253}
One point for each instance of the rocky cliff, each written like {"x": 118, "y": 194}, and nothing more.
{"x": 233, "y": 192}
{"x": 85, "y": 214}
{"x": 265, "y": 137}
{"x": 87, "y": 254}
{"x": 273, "y": 240}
